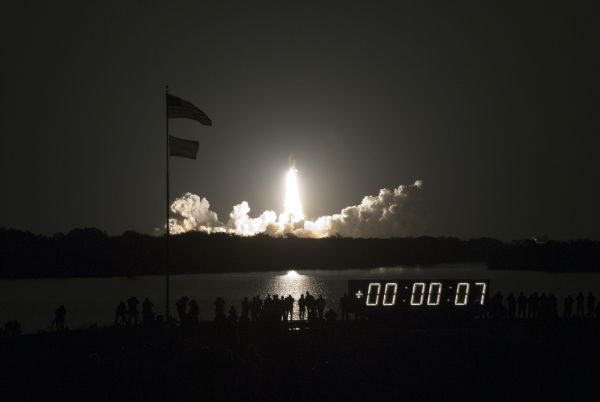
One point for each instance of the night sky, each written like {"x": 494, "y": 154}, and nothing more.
{"x": 495, "y": 109}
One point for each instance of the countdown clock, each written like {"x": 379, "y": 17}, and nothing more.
{"x": 418, "y": 295}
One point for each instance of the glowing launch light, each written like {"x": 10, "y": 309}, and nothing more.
{"x": 293, "y": 208}
{"x": 291, "y": 274}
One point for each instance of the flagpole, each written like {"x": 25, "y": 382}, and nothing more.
{"x": 167, "y": 277}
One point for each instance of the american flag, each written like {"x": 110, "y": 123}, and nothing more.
{"x": 183, "y": 148}
{"x": 178, "y": 108}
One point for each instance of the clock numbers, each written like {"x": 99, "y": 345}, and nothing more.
{"x": 418, "y": 290}
{"x": 483, "y": 291}
{"x": 373, "y": 294}
{"x": 390, "y": 288}
{"x": 462, "y": 294}
{"x": 435, "y": 294}
{"x": 424, "y": 294}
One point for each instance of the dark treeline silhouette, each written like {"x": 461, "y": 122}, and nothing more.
{"x": 90, "y": 252}
{"x": 551, "y": 256}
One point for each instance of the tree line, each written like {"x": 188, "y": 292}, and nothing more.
{"x": 89, "y": 252}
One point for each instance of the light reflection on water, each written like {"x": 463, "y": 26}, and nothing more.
{"x": 294, "y": 284}
{"x": 291, "y": 283}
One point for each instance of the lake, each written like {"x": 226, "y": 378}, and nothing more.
{"x": 93, "y": 300}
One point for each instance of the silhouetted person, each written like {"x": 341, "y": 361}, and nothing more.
{"x": 512, "y": 306}
{"x": 496, "y": 306}
{"x": 591, "y": 301}
{"x": 522, "y": 303}
{"x": 132, "y": 310}
{"x": 121, "y": 314}
{"x": 193, "y": 312}
{"x": 580, "y": 300}
{"x": 345, "y": 307}
{"x": 311, "y": 307}
{"x": 553, "y": 304}
{"x": 266, "y": 310}
{"x": 255, "y": 308}
{"x": 320, "y": 306}
{"x": 219, "y": 309}
{"x": 245, "y": 309}
{"x": 536, "y": 305}
{"x": 301, "y": 307}
{"x": 147, "y": 311}
{"x": 282, "y": 310}
{"x": 533, "y": 306}
{"x": 289, "y": 306}
{"x": 59, "y": 318}
{"x": 568, "y": 307}
{"x": 181, "y": 306}
{"x": 232, "y": 317}
{"x": 544, "y": 306}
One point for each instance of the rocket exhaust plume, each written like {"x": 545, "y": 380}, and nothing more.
{"x": 292, "y": 206}
{"x": 391, "y": 213}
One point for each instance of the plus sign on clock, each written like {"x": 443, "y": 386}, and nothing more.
{"x": 359, "y": 294}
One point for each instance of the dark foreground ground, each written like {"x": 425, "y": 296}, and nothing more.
{"x": 346, "y": 361}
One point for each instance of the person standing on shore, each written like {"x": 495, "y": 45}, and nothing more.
{"x": 232, "y": 317}
{"x": 59, "y": 318}
{"x": 132, "y": 311}
{"x": 591, "y": 301}
{"x": 580, "y": 299}
{"x": 181, "y": 306}
{"x": 219, "y": 309}
{"x": 289, "y": 306}
{"x": 345, "y": 307}
{"x": 301, "y": 307}
{"x": 147, "y": 311}
{"x": 320, "y": 306}
{"x": 522, "y": 302}
{"x": 568, "y": 307}
{"x": 193, "y": 313}
{"x": 512, "y": 306}
{"x": 121, "y": 314}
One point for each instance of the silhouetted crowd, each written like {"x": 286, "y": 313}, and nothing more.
{"x": 284, "y": 309}
{"x": 542, "y": 306}
{"x": 275, "y": 308}
{"x": 128, "y": 314}
{"x": 270, "y": 309}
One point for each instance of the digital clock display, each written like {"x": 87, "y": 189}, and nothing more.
{"x": 418, "y": 294}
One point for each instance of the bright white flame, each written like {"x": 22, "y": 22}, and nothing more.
{"x": 293, "y": 208}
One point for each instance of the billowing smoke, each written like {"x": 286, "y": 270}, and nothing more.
{"x": 193, "y": 214}
{"x": 390, "y": 213}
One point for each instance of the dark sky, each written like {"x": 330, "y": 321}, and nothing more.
{"x": 495, "y": 109}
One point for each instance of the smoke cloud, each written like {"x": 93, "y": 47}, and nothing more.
{"x": 193, "y": 214}
{"x": 392, "y": 212}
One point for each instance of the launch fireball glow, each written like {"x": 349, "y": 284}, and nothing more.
{"x": 292, "y": 205}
